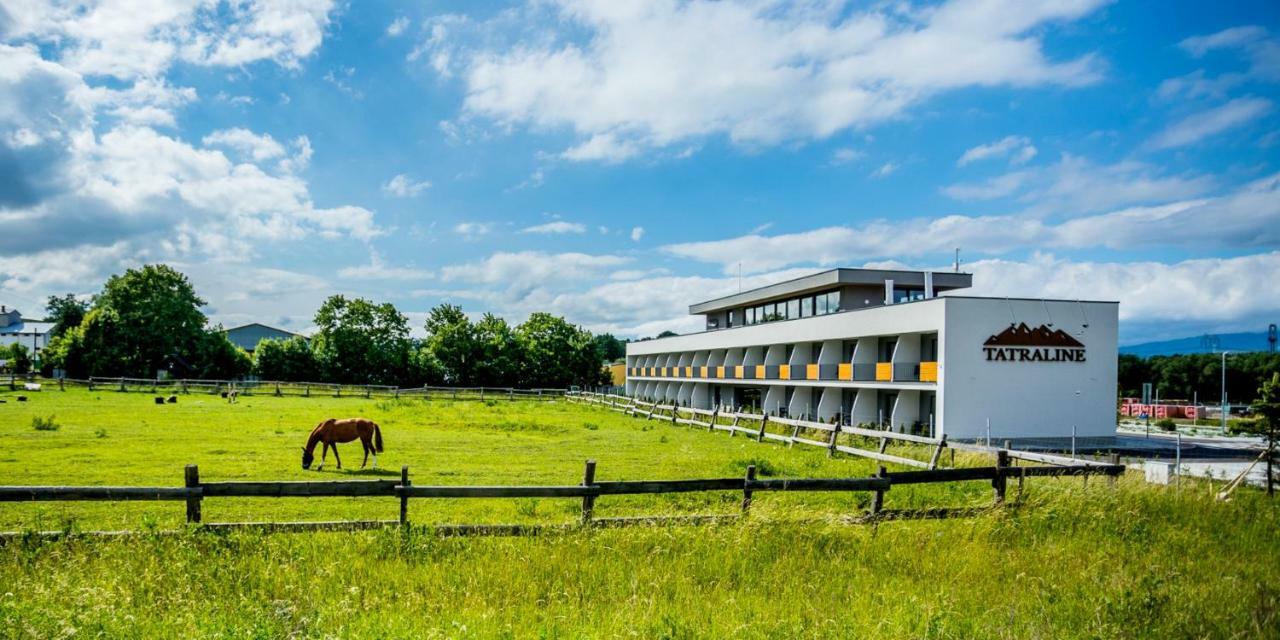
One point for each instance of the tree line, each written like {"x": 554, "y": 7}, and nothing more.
{"x": 149, "y": 319}
{"x": 1183, "y": 376}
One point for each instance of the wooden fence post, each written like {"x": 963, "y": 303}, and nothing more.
{"x": 746, "y": 489}
{"x": 588, "y": 502}
{"x": 877, "y": 499}
{"x": 277, "y": 388}
{"x": 937, "y": 451}
{"x": 998, "y": 483}
{"x": 61, "y": 385}
{"x": 711, "y": 424}
{"x": 1114, "y": 459}
{"x": 764, "y": 422}
{"x": 122, "y": 384}
{"x": 404, "y": 497}
{"x": 193, "y": 502}
{"x": 366, "y": 391}
{"x": 831, "y": 446}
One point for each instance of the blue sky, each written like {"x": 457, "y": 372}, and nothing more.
{"x": 613, "y": 162}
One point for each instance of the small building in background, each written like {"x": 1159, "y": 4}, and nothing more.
{"x": 30, "y": 333}
{"x": 248, "y": 336}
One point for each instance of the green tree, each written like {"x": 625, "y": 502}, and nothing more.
{"x": 558, "y": 354}
{"x": 454, "y": 344}
{"x": 217, "y": 358}
{"x": 359, "y": 342}
{"x": 18, "y": 356}
{"x": 288, "y": 360}
{"x": 96, "y": 347}
{"x": 611, "y": 348}
{"x": 498, "y": 353}
{"x": 65, "y": 312}
{"x": 158, "y": 315}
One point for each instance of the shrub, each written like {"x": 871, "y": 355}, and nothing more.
{"x": 1166, "y": 424}
{"x": 44, "y": 424}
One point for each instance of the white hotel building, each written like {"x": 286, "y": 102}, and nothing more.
{"x": 865, "y": 346}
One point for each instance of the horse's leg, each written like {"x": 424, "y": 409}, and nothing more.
{"x": 364, "y": 444}
{"x": 324, "y": 455}
{"x": 335, "y": 455}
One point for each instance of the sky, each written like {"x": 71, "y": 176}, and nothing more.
{"x": 614, "y": 162}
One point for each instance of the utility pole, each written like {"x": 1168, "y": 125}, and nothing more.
{"x": 1225, "y": 408}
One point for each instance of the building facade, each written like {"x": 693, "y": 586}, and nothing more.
{"x": 32, "y": 334}
{"x": 883, "y": 348}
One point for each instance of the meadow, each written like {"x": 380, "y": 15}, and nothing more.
{"x": 1066, "y": 560}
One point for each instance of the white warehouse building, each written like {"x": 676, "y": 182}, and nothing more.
{"x": 883, "y": 348}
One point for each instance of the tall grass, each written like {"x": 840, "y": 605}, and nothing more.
{"x": 1069, "y": 561}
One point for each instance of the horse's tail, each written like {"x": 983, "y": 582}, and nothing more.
{"x": 377, "y": 438}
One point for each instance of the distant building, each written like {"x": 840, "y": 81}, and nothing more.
{"x": 32, "y": 334}
{"x": 248, "y": 336}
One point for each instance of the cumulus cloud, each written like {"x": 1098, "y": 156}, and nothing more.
{"x": 637, "y": 233}
{"x": 255, "y": 146}
{"x": 628, "y": 77}
{"x": 556, "y": 227}
{"x": 402, "y": 186}
{"x": 1017, "y": 148}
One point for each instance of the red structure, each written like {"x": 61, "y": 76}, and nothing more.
{"x": 1134, "y": 408}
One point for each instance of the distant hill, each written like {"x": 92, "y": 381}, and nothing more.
{"x": 1254, "y": 341}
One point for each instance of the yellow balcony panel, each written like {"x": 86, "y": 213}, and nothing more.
{"x": 846, "y": 371}
{"x": 884, "y": 371}
{"x": 720, "y": 371}
{"x": 784, "y": 372}
{"x": 811, "y": 372}
{"x": 738, "y": 372}
{"x": 702, "y": 372}
{"x": 928, "y": 372}
{"x": 759, "y": 372}
{"x": 688, "y": 372}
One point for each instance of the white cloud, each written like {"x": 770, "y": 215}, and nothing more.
{"x": 627, "y": 77}
{"x": 402, "y": 186}
{"x": 258, "y": 147}
{"x": 1017, "y": 148}
{"x": 845, "y": 156}
{"x": 378, "y": 269}
{"x": 397, "y": 26}
{"x": 1073, "y": 186}
{"x": 1253, "y": 43}
{"x": 1204, "y": 124}
{"x": 120, "y": 38}
{"x": 472, "y": 230}
{"x": 1243, "y": 217}
{"x": 884, "y": 170}
{"x": 519, "y": 275}
{"x": 1210, "y": 294}
{"x": 556, "y": 227}
{"x": 637, "y": 233}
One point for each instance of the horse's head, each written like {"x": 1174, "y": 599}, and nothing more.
{"x": 307, "y": 458}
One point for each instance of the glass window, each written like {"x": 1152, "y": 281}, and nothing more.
{"x": 822, "y": 305}
{"x": 730, "y": 322}
{"x": 833, "y": 301}
{"x": 806, "y": 307}
{"x": 793, "y": 308}
{"x": 751, "y": 315}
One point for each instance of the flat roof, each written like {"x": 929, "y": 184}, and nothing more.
{"x": 942, "y": 281}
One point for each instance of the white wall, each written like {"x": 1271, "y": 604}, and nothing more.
{"x": 1027, "y": 399}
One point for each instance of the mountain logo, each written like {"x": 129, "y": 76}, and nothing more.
{"x": 1021, "y": 343}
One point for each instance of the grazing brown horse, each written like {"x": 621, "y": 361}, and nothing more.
{"x": 331, "y": 432}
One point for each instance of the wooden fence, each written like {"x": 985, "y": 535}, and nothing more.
{"x": 195, "y": 491}
{"x": 755, "y": 425}
{"x": 283, "y": 388}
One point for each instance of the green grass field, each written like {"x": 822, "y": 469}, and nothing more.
{"x": 1068, "y": 561}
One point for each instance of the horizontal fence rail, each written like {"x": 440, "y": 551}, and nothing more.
{"x": 282, "y": 388}
{"x": 195, "y": 491}
{"x": 756, "y": 425}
